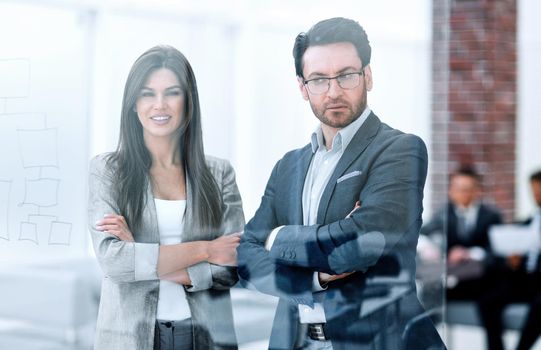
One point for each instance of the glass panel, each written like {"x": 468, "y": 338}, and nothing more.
{"x": 60, "y": 99}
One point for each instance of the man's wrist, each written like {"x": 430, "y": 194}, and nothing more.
{"x": 318, "y": 284}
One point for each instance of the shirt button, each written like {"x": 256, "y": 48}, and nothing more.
{"x": 326, "y": 162}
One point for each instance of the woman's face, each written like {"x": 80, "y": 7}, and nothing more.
{"x": 160, "y": 105}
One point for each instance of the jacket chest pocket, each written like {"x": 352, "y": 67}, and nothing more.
{"x": 346, "y": 193}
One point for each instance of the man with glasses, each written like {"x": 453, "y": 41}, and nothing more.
{"x": 340, "y": 211}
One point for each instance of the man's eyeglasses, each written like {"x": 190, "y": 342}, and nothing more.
{"x": 318, "y": 86}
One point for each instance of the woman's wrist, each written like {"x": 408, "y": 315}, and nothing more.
{"x": 205, "y": 250}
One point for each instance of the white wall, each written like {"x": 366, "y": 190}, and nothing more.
{"x": 529, "y": 102}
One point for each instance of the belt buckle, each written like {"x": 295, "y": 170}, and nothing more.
{"x": 315, "y": 331}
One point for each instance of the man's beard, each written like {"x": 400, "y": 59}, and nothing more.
{"x": 349, "y": 115}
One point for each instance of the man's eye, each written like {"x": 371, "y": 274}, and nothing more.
{"x": 321, "y": 81}
{"x": 346, "y": 77}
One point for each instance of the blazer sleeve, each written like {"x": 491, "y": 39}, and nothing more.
{"x": 257, "y": 270}
{"x": 205, "y": 275}
{"x": 391, "y": 209}
{"x": 120, "y": 261}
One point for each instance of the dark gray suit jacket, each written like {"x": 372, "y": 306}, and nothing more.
{"x": 385, "y": 170}
{"x": 445, "y": 221}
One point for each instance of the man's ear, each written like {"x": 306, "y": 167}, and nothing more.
{"x": 302, "y": 87}
{"x": 368, "y": 77}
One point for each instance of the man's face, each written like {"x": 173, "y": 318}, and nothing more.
{"x": 536, "y": 192}
{"x": 337, "y": 107}
{"x": 463, "y": 190}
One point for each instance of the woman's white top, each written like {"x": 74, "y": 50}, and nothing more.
{"x": 172, "y": 303}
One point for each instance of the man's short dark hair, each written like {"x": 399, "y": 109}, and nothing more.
{"x": 536, "y": 177}
{"x": 330, "y": 31}
{"x": 468, "y": 171}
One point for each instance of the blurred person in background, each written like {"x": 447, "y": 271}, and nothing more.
{"x": 160, "y": 212}
{"x": 519, "y": 280}
{"x": 465, "y": 221}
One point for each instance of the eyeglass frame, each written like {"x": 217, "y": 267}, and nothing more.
{"x": 360, "y": 73}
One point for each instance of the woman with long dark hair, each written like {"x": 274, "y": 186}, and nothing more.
{"x": 164, "y": 219}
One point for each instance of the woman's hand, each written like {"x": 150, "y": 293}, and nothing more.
{"x": 223, "y": 250}
{"x": 180, "y": 276}
{"x": 115, "y": 225}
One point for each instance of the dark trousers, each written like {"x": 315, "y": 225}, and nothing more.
{"x": 173, "y": 335}
{"x": 513, "y": 287}
{"x": 481, "y": 292}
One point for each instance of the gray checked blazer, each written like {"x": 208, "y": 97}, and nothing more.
{"x": 129, "y": 295}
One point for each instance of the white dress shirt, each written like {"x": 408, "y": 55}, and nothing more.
{"x": 470, "y": 215}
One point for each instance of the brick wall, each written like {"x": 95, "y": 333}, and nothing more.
{"x": 474, "y": 96}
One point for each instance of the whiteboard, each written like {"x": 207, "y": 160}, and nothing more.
{"x": 44, "y": 63}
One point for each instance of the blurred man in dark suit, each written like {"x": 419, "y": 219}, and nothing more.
{"x": 465, "y": 221}
{"x": 519, "y": 280}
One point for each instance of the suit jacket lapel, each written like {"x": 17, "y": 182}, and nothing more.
{"x": 452, "y": 235}
{"x": 360, "y": 141}
{"x": 299, "y": 177}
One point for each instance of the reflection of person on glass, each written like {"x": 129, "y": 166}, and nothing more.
{"x": 159, "y": 209}
{"x": 306, "y": 245}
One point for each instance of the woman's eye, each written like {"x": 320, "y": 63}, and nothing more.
{"x": 146, "y": 94}
{"x": 174, "y": 93}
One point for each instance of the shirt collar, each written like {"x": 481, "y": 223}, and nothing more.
{"x": 344, "y": 135}
{"x": 470, "y": 210}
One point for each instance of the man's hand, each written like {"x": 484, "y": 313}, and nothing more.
{"x": 325, "y": 278}
{"x": 357, "y": 206}
{"x": 115, "y": 225}
{"x": 514, "y": 261}
{"x": 457, "y": 255}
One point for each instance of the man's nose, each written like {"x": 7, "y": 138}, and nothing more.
{"x": 334, "y": 89}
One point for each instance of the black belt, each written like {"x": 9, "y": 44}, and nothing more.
{"x": 316, "y": 331}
